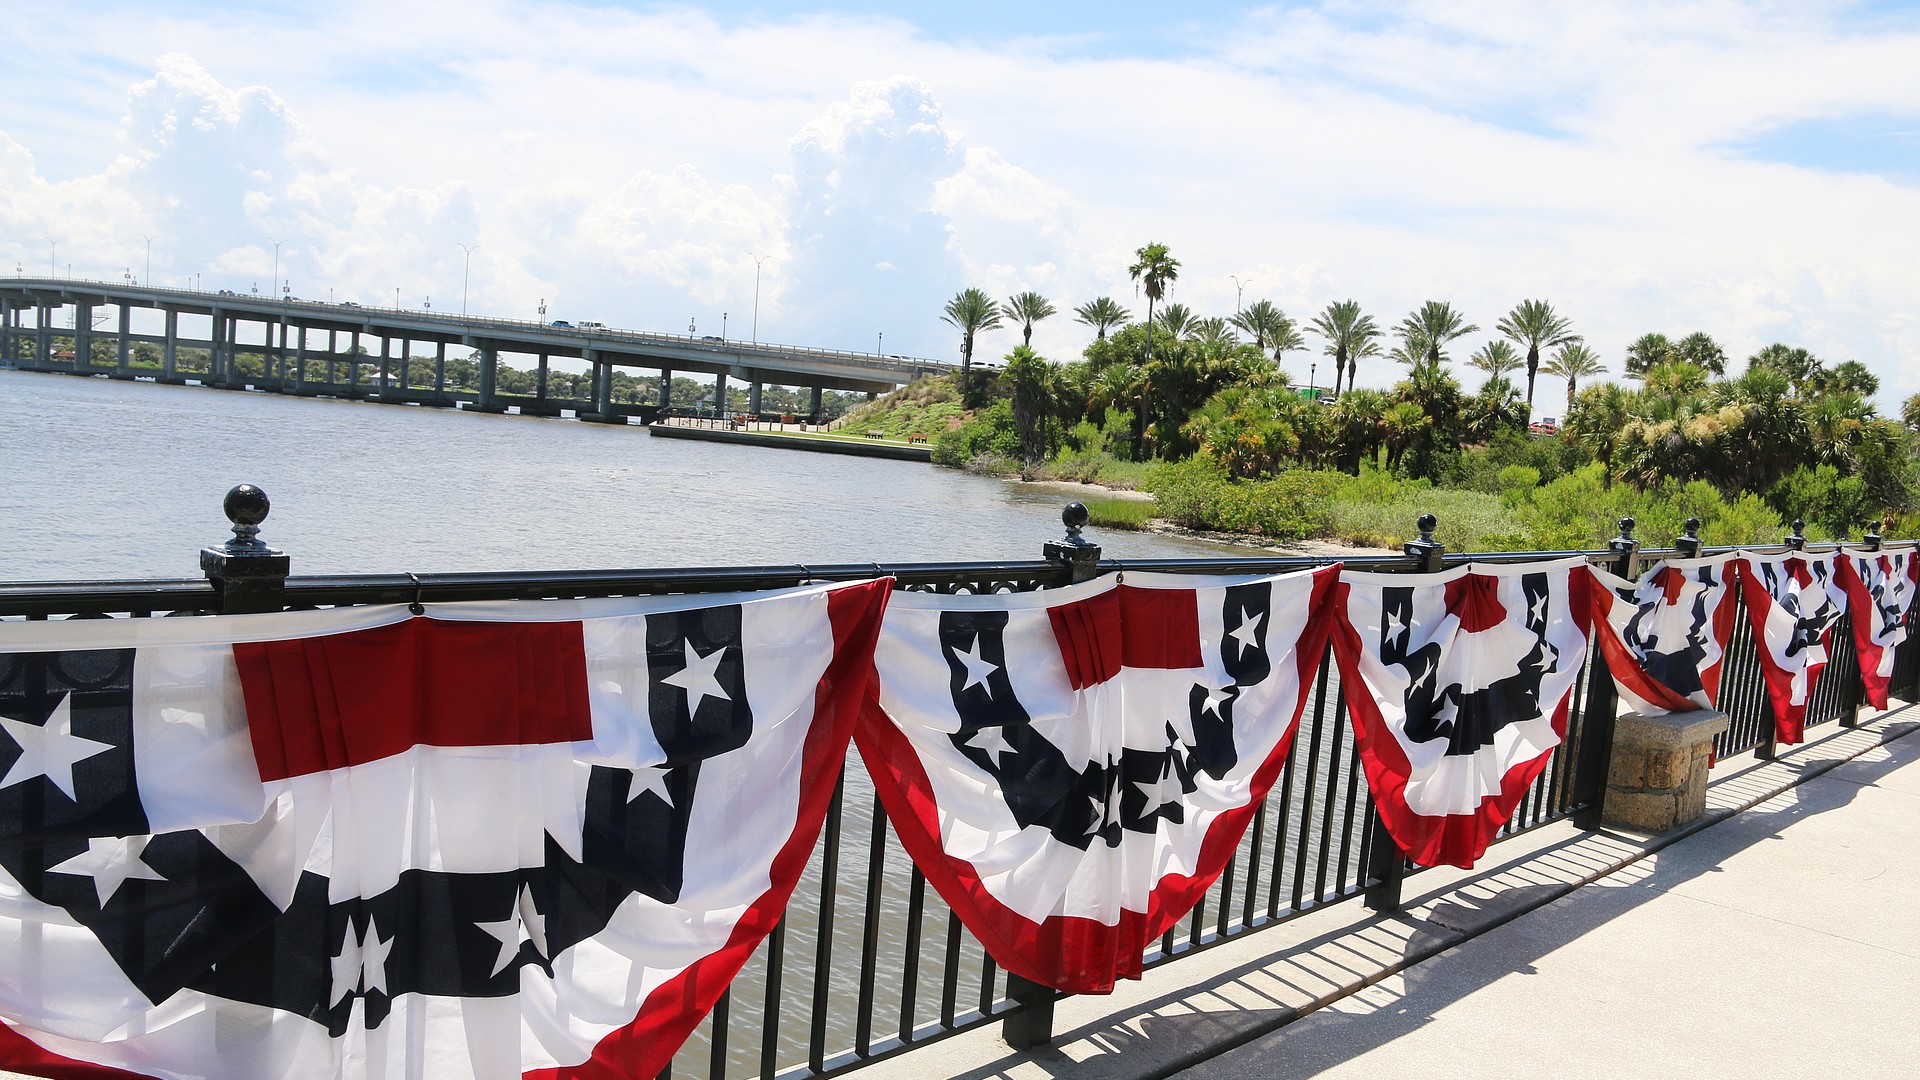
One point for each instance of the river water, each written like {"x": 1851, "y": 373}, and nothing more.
{"x": 108, "y": 479}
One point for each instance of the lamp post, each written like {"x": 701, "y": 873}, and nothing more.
{"x": 465, "y": 274}
{"x": 275, "y": 287}
{"x": 723, "y": 326}
{"x": 147, "y": 277}
{"x": 53, "y": 257}
{"x": 1237, "y": 289}
{"x": 880, "y": 343}
{"x": 1313, "y": 367}
{"x": 756, "y": 295}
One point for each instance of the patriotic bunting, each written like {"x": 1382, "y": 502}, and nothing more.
{"x": 1458, "y": 684}
{"x": 1794, "y": 600}
{"x": 1665, "y": 635}
{"x": 1880, "y": 587}
{"x": 504, "y": 840}
{"x": 1072, "y": 769}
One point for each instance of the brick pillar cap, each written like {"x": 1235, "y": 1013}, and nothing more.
{"x": 1671, "y": 729}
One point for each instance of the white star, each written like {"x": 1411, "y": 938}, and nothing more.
{"x": 523, "y": 923}
{"x": 1249, "y": 626}
{"x": 991, "y": 739}
{"x": 1215, "y": 695}
{"x": 979, "y": 669}
{"x": 699, "y": 678}
{"x": 652, "y": 778}
{"x": 1099, "y": 814}
{"x": 50, "y": 751}
{"x": 1396, "y": 626}
{"x": 1153, "y": 789}
{"x": 1539, "y": 612}
{"x": 110, "y": 861}
{"x": 362, "y": 959}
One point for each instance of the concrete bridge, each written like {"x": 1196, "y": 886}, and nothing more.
{"x": 293, "y": 336}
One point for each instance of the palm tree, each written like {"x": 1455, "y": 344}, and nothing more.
{"x": 1534, "y": 324}
{"x": 1412, "y": 350}
{"x": 1178, "y": 320}
{"x": 1574, "y": 361}
{"x": 1698, "y": 348}
{"x": 1435, "y": 324}
{"x": 1496, "y": 358}
{"x": 972, "y": 311}
{"x": 1350, "y": 336}
{"x": 1213, "y": 332}
{"x": 1650, "y": 350}
{"x": 1026, "y": 309}
{"x": 1261, "y": 321}
{"x": 1155, "y": 269}
{"x": 1102, "y": 314}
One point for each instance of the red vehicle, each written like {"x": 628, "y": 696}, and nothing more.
{"x": 1546, "y": 425}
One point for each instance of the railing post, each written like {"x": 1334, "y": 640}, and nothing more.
{"x": 1031, "y": 1025}
{"x": 1079, "y": 555}
{"x": 1386, "y": 862}
{"x": 1595, "y": 754}
{"x": 1872, "y": 540}
{"x": 1688, "y": 543}
{"x": 249, "y": 576}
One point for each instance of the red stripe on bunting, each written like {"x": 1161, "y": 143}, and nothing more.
{"x": 326, "y": 703}
{"x": 1162, "y": 633}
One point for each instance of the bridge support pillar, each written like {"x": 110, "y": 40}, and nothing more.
{"x": 300, "y": 362}
{"x": 720, "y": 394}
{"x": 43, "y": 336}
{"x": 666, "y": 387}
{"x": 386, "y": 360}
{"x": 7, "y": 311}
{"x": 82, "y": 335}
{"x": 489, "y": 371}
{"x": 170, "y": 348}
{"x": 540, "y": 379}
{"x": 439, "y": 367}
{"x": 815, "y": 407}
{"x": 123, "y": 359}
{"x": 753, "y": 397}
{"x": 217, "y": 349}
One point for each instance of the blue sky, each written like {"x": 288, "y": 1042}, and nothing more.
{"x": 1743, "y": 167}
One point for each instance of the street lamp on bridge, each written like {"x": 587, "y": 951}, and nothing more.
{"x": 275, "y": 287}
{"x": 756, "y": 295}
{"x": 465, "y": 274}
{"x": 147, "y": 278}
{"x": 53, "y": 257}
{"x": 1237, "y": 288}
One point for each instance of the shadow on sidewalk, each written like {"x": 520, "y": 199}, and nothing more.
{"x": 1181, "y": 1030}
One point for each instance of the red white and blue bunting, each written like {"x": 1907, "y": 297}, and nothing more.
{"x": 1794, "y": 600}
{"x": 1880, "y": 587}
{"x": 1665, "y": 635}
{"x": 1072, "y": 769}
{"x": 1458, "y": 683}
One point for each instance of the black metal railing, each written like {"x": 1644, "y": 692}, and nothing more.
{"x": 867, "y": 961}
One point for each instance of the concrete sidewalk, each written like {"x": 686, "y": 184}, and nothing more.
{"x": 1780, "y": 936}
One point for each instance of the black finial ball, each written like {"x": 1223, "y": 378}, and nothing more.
{"x": 1427, "y": 522}
{"x": 246, "y": 505}
{"x": 1075, "y": 515}
{"x": 1626, "y": 526}
{"x": 1798, "y": 526}
{"x": 1692, "y": 526}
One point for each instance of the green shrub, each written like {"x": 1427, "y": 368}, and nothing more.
{"x": 989, "y": 433}
{"x": 1187, "y": 492}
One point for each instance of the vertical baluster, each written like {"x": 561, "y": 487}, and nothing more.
{"x": 870, "y": 931}
{"x": 910, "y": 977}
{"x": 823, "y": 948}
{"x": 772, "y": 1012}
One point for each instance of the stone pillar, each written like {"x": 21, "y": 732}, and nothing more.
{"x": 170, "y": 350}
{"x": 1657, "y": 780}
